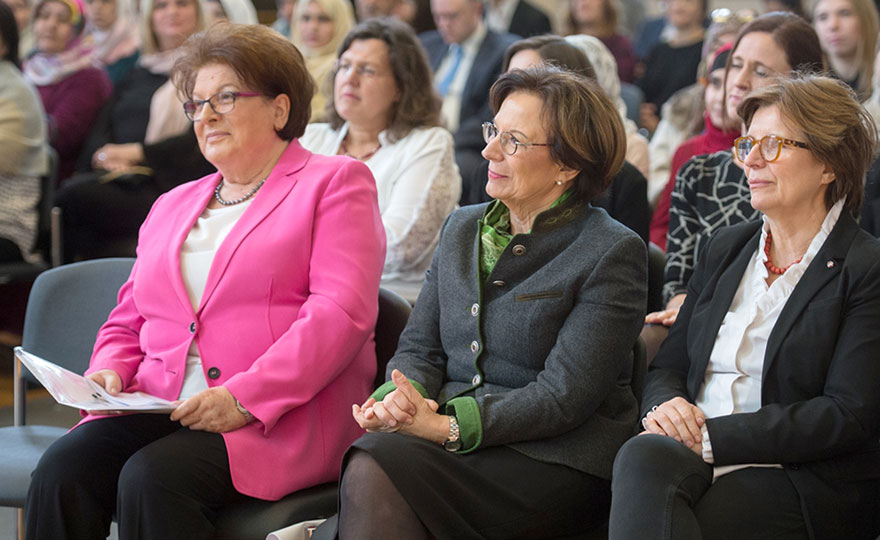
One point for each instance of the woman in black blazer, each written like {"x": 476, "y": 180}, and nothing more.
{"x": 762, "y": 408}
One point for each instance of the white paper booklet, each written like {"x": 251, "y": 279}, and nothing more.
{"x": 74, "y": 390}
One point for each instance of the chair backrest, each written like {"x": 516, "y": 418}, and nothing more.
{"x": 47, "y": 198}
{"x": 67, "y": 306}
{"x": 633, "y": 97}
{"x": 640, "y": 369}
{"x": 394, "y": 311}
{"x": 656, "y": 268}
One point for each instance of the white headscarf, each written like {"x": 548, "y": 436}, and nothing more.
{"x": 240, "y": 11}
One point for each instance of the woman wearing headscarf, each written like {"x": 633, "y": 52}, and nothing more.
{"x": 72, "y": 91}
{"x": 318, "y": 28}
{"x": 141, "y": 146}
{"x": 606, "y": 75}
{"x": 234, "y": 11}
{"x": 112, "y": 33}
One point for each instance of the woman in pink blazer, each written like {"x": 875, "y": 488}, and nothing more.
{"x": 253, "y": 302}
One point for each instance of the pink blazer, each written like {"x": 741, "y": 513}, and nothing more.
{"x": 286, "y": 321}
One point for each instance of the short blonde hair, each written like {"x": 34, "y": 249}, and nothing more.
{"x": 836, "y": 128}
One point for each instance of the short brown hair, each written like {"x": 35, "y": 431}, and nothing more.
{"x": 584, "y": 129}
{"x": 836, "y": 128}
{"x": 555, "y": 51}
{"x": 419, "y": 105}
{"x": 260, "y": 57}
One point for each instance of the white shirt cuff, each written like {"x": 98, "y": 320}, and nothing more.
{"x": 708, "y": 456}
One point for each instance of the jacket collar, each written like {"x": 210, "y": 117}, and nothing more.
{"x": 278, "y": 184}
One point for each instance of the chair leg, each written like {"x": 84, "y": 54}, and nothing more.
{"x": 19, "y": 525}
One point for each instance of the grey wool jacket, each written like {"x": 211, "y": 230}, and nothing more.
{"x": 538, "y": 356}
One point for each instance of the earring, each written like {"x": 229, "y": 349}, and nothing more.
{"x": 559, "y": 182}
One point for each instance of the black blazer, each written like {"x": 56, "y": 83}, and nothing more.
{"x": 820, "y": 394}
{"x": 529, "y": 21}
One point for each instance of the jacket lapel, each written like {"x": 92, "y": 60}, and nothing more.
{"x": 731, "y": 270}
{"x": 278, "y": 184}
{"x": 180, "y": 230}
{"x": 825, "y": 266}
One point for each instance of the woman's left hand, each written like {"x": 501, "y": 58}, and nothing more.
{"x": 210, "y": 410}
{"x": 382, "y": 416}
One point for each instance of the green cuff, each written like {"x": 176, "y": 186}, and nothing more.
{"x": 380, "y": 393}
{"x": 470, "y": 425}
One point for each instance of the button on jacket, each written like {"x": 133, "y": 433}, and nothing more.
{"x": 285, "y": 322}
{"x": 551, "y": 371}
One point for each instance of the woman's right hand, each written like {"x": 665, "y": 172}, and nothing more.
{"x": 667, "y": 316}
{"x": 679, "y": 419}
{"x": 392, "y": 413}
{"x": 108, "y": 379}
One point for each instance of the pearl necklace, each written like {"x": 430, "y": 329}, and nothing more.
{"x": 241, "y": 199}
{"x": 363, "y": 157}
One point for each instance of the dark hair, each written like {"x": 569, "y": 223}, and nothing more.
{"x": 837, "y": 129}
{"x": 9, "y": 34}
{"x": 419, "y": 105}
{"x": 584, "y": 129}
{"x": 555, "y": 51}
{"x": 261, "y": 58}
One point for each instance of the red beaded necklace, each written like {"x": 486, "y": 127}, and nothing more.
{"x": 769, "y": 264}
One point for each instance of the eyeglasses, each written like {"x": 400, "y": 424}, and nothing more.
{"x": 344, "y": 67}
{"x": 221, "y": 103}
{"x": 508, "y": 141}
{"x": 722, "y": 15}
{"x": 769, "y": 146}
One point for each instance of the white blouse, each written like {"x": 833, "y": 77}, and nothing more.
{"x": 732, "y": 383}
{"x": 418, "y": 184}
{"x": 196, "y": 256}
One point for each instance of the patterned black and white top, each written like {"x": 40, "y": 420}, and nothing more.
{"x": 711, "y": 191}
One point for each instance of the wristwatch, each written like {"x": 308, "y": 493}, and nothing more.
{"x": 453, "y": 440}
{"x": 248, "y": 417}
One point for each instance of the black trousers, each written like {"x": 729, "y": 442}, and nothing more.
{"x": 161, "y": 481}
{"x": 103, "y": 219}
{"x": 661, "y": 489}
{"x": 9, "y": 251}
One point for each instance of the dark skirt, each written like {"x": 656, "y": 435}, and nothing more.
{"x": 494, "y": 492}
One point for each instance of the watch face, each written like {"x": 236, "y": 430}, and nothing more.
{"x": 452, "y": 446}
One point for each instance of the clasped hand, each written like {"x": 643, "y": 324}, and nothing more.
{"x": 403, "y": 410}
{"x": 211, "y": 410}
{"x": 680, "y": 420}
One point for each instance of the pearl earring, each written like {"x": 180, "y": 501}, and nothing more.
{"x": 559, "y": 182}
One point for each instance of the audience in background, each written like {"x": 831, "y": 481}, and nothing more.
{"x": 683, "y": 112}
{"x": 672, "y": 63}
{"x": 283, "y": 14}
{"x": 761, "y": 408}
{"x": 72, "y": 90}
{"x": 517, "y": 17}
{"x": 385, "y": 113}
{"x": 637, "y": 150}
{"x": 466, "y": 58}
{"x": 112, "y": 34}
{"x": 235, "y": 11}
{"x": 318, "y": 28}
{"x": 141, "y": 146}
{"x": 599, "y": 18}
{"x": 847, "y": 30}
{"x": 720, "y": 131}
{"x": 711, "y": 191}
{"x": 23, "y": 149}
{"x": 22, "y": 11}
{"x": 792, "y": 6}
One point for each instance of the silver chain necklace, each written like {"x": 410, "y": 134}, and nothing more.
{"x": 241, "y": 199}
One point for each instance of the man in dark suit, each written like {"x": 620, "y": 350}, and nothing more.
{"x": 517, "y": 17}
{"x": 466, "y": 58}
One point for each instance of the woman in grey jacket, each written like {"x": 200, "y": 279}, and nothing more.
{"x": 510, "y": 389}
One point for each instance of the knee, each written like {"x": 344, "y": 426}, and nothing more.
{"x": 140, "y": 477}
{"x": 361, "y": 473}
{"x": 650, "y": 459}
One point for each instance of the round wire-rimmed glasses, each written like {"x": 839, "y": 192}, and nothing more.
{"x": 508, "y": 141}
{"x": 770, "y": 146}
{"x": 221, "y": 103}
